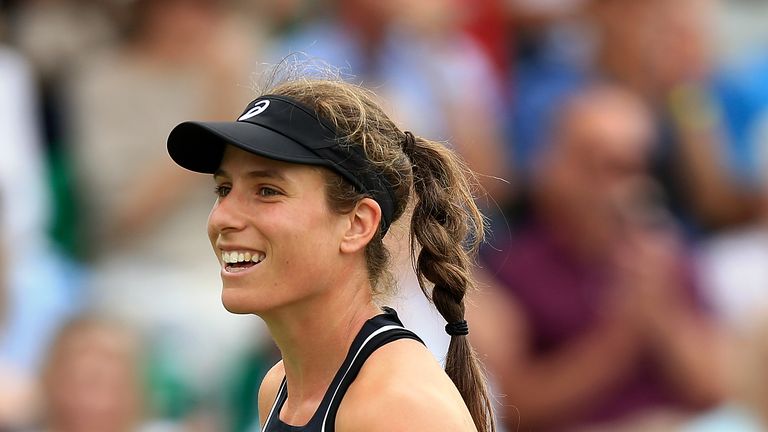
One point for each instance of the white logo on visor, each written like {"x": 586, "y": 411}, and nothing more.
{"x": 257, "y": 109}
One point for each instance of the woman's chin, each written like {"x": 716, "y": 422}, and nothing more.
{"x": 238, "y": 302}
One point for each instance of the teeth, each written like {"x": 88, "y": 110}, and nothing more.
{"x": 235, "y": 257}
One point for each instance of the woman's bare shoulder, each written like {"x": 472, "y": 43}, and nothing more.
{"x": 402, "y": 387}
{"x": 268, "y": 389}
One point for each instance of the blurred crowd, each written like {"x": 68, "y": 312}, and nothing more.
{"x": 621, "y": 152}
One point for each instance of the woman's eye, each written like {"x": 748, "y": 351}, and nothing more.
{"x": 268, "y": 192}
{"x": 221, "y": 191}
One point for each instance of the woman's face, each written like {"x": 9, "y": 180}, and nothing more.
{"x": 275, "y": 237}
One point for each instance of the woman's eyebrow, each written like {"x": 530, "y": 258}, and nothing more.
{"x": 220, "y": 173}
{"x": 267, "y": 173}
{"x": 261, "y": 173}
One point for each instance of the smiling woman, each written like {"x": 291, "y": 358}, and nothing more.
{"x": 277, "y": 213}
{"x": 309, "y": 179}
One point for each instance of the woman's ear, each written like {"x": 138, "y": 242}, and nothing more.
{"x": 364, "y": 221}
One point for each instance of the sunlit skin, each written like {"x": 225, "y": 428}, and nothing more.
{"x": 278, "y": 209}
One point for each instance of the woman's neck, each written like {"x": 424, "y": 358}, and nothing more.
{"x": 313, "y": 338}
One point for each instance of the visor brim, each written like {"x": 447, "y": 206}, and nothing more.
{"x": 199, "y": 146}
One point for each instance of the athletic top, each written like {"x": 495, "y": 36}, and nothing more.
{"x": 376, "y": 332}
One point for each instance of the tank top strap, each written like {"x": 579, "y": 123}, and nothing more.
{"x": 375, "y": 333}
{"x": 270, "y": 423}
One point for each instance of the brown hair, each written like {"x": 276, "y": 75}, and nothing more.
{"x": 446, "y": 225}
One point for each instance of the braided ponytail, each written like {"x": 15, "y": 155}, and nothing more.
{"x": 448, "y": 227}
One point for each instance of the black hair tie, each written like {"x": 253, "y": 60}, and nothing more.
{"x": 459, "y": 328}
{"x": 409, "y": 143}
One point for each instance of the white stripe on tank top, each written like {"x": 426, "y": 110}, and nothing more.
{"x": 341, "y": 381}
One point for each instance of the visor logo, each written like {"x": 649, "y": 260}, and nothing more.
{"x": 255, "y": 110}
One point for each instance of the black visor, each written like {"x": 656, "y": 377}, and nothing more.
{"x": 280, "y": 128}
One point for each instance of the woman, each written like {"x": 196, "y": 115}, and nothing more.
{"x": 309, "y": 179}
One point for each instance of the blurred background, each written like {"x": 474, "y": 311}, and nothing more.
{"x": 621, "y": 146}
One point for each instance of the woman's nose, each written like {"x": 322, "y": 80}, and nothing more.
{"x": 226, "y": 215}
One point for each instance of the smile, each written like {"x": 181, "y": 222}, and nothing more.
{"x": 238, "y": 261}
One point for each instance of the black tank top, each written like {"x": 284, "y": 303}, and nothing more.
{"x": 376, "y": 332}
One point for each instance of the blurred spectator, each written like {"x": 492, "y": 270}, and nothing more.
{"x": 93, "y": 379}
{"x": 41, "y": 286}
{"x": 184, "y": 59}
{"x": 604, "y": 322}
{"x": 664, "y": 52}
{"x": 667, "y": 55}
{"x": 55, "y": 34}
